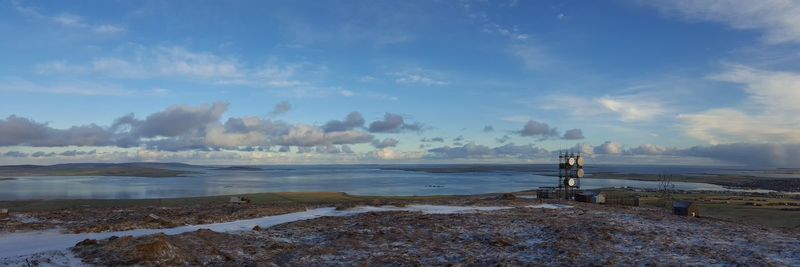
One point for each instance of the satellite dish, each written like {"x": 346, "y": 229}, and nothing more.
{"x": 571, "y": 162}
{"x": 572, "y": 182}
{"x": 581, "y": 161}
{"x": 580, "y": 173}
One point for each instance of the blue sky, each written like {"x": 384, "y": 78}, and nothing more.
{"x": 630, "y": 81}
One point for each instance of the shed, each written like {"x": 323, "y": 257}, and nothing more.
{"x": 685, "y": 208}
{"x": 600, "y": 198}
{"x": 587, "y": 197}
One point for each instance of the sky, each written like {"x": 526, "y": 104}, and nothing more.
{"x": 328, "y": 82}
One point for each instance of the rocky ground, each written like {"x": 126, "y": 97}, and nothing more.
{"x": 112, "y": 219}
{"x": 100, "y": 219}
{"x": 103, "y": 219}
{"x": 584, "y": 235}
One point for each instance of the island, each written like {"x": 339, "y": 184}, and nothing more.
{"x": 153, "y": 170}
{"x": 238, "y": 168}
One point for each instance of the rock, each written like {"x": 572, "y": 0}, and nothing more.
{"x": 86, "y": 242}
{"x": 154, "y": 217}
{"x": 398, "y": 204}
{"x": 344, "y": 206}
{"x": 500, "y": 242}
{"x": 159, "y": 249}
{"x": 377, "y": 202}
{"x": 257, "y": 228}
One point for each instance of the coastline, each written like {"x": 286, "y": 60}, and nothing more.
{"x": 785, "y": 184}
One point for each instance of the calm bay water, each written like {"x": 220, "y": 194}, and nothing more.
{"x": 358, "y": 180}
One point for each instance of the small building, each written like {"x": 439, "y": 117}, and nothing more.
{"x": 3, "y": 213}
{"x": 544, "y": 194}
{"x": 600, "y": 198}
{"x": 588, "y": 197}
{"x": 685, "y": 208}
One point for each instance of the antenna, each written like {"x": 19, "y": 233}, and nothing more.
{"x": 570, "y": 171}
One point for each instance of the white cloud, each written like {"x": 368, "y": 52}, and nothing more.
{"x": 11, "y": 84}
{"x": 68, "y": 20}
{"x": 560, "y": 102}
{"x": 108, "y": 29}
{"x": 59, "y": 67}
{"x": 111, "y": 66}
{"x": 178, "y": 62}
{"x": 271, "y": 75}
{"x": 217, "y": 136}
{"x": 650, "y": 149}
{"x": 387, "y": 154}
{"x": 610, "y": 148}
{"x": 776, "y": 92}
{"x": 488, "y": 25}
{"x": 367, "y": 78}
{"x": 533, "y": 57}
{"x": 768, "y": 114}
{"x": 158, "y": 91}
{"x": 517, "y": 118}
{"x": 347, "y": 93}
{"x": 427, "y": 78}
{"x": 632, "y": 109}
{"x": 778, "y": 19}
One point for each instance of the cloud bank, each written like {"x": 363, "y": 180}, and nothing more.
{"x": 394, "y": 123}
{"x": 185, "y": 128}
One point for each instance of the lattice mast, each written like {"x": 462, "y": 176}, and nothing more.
{"x": 570, "y": 170}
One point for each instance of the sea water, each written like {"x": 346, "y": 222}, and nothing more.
{"x": 351, "y": 179}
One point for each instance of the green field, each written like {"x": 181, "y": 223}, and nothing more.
{"x": 782, "y": 212}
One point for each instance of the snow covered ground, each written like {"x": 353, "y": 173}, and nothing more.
{"x": 51, "y": 245}
{"x": 524, "y": 234}
{"x": 550, "y": 206}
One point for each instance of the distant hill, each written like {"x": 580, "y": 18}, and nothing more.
{"x": 160, "y": 165}
{"x": 239, "y": 168}
{"x": 467, "y": 168}
{"x": 138, "y": 169}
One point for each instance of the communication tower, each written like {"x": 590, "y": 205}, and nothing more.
{"x": 570, "y": 172}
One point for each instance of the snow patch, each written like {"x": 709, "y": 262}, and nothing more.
{"x": 45, "y": 259}
{"x": 427, "y": 209}
{"x": 550, "y": 206}
{"x": 24, "y": 218}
